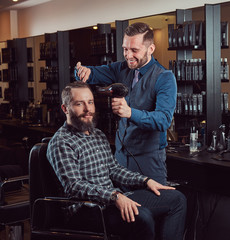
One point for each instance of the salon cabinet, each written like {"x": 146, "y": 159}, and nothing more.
{"x": 199, "y": 96}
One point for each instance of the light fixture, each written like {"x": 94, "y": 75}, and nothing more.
{"x": 95, "y": 27}
{"x": 15, "y": 0}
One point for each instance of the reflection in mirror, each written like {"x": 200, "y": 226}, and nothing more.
{"x": 34, "y": 43}
{"x": 35, "y": 86}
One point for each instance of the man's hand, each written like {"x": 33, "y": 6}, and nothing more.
{"x": 127, "y": 207}
{"x": 121, "y": 108}
{"x": 155, "y": 186}
{"x": 83, "y": 72}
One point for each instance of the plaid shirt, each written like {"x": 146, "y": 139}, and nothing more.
{"x": 86, "y": 167}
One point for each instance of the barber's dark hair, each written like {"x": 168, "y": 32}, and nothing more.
{"x": 140, "y": 28}
{"x": 66, "y": 92}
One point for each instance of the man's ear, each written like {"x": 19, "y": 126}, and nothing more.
{"x": 64, "y": 109}
{"x": 152, "y": 48}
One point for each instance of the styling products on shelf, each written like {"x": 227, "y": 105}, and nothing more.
{"x": 194, "y": 69}
{"x": 189, "y": 70}
{"x": 191, "y": 34}
{"x": 224, "y": 69}
{"x": 191, "y": 104}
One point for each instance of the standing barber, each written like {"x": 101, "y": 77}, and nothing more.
{"x": 146, "y": 113}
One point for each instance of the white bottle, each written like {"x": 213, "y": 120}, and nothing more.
{"x": 225, "y": 69}
{"x": 193, "y": 146}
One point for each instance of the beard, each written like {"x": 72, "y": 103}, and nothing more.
{"x": 80, "y": 125}
{"x": 139, "y": 62}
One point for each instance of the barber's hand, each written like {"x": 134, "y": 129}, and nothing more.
{"x": 127, "y": 207}
{"x": 83, "y": 72}
{"x": 121, "y": 108}
{"x": 155, "y": 186}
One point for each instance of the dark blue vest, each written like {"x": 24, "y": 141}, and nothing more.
{"x": 143, "y": 97}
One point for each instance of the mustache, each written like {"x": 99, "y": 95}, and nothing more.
{"x": 86, "y": 114}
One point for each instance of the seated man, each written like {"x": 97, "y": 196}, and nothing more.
{"x": 83, "y": 162}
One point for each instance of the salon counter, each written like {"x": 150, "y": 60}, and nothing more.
{"x": 200, "y": 170}
{"x": 205, "y": 182}
{"x": 14, "y": 130}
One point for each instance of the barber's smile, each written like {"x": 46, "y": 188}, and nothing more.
{"x": 132, "y": 62}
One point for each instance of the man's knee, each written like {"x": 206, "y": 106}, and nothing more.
{"x": 144, "y": 224}
{"x": 178, "y": 204}
{"x": 180, "y": 199}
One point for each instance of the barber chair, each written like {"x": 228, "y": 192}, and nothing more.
{"x": 14, "y": 192}
{"x": 14, "y": 205}
{"x": 49, "y": 220}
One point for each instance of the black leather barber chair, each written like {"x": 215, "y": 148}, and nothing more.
{"x": 14, "y": 205}
{"x": 48, "y": 206}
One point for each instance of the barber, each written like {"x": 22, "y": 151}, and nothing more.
{"x": 146, "y": 113}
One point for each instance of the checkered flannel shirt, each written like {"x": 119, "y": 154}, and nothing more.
{"x": 86, "y": 167}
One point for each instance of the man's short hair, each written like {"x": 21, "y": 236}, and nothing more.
{"x": 140, "y": 28}
{"x": 66, "y": 92}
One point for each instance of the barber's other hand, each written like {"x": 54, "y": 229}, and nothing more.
{"x": 83, "y": 72}
{"x": 155, "y": 187}
{"x": 121, "y": 108}
{"x": 127, "y": 207}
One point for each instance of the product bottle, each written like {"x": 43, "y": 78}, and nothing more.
{"x": 213, "y": 147}
{"x": 228, "y": 142}
{"x": 193, "y": 147}
{"x": 200, "y": 70}
{"x": 222, "y": 140}
{"x": 221, "y": 69}
{"x": 225, "y": 69}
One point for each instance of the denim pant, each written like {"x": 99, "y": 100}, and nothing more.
{"x": 162, "y": 215}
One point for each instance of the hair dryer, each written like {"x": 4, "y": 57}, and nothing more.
{"x": 117, "y": 90}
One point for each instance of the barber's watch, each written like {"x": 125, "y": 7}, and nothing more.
{"x": 114, "y": 196}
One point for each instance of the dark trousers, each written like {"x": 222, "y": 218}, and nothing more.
{"x": 164, "y": 214}
{"x": 150, "y": 164}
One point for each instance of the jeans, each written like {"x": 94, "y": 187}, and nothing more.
{"x": 163, "y": 215}
{"x": 160, "y": 217}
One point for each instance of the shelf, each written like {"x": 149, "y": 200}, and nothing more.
{"x": 195, "y": 47}
{"x": 192, "y": 48}
{"x": 224, "y": 80}
{"x": 211, "y": 85}
{"x": 189, "y": 116}
{"x": 203, "y": 82}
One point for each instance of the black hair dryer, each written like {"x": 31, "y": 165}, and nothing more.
{"x": 117, "y": 90}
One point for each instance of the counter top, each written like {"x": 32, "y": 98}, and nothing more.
{"x": 202, "y": 158}
{"x": 200, "y": 170}
{"x": 29, "y": 126}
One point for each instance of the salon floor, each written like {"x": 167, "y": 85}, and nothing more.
{"x": 15, "y": 233}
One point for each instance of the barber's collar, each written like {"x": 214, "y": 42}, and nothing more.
{"x": 146, "y": 67}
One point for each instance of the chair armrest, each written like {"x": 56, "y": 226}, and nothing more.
{"x": 66, "y": 201}
{"x": 72, "y": 201}
{"x": 14, "y": 190}
{"x": 15, "y": 179}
